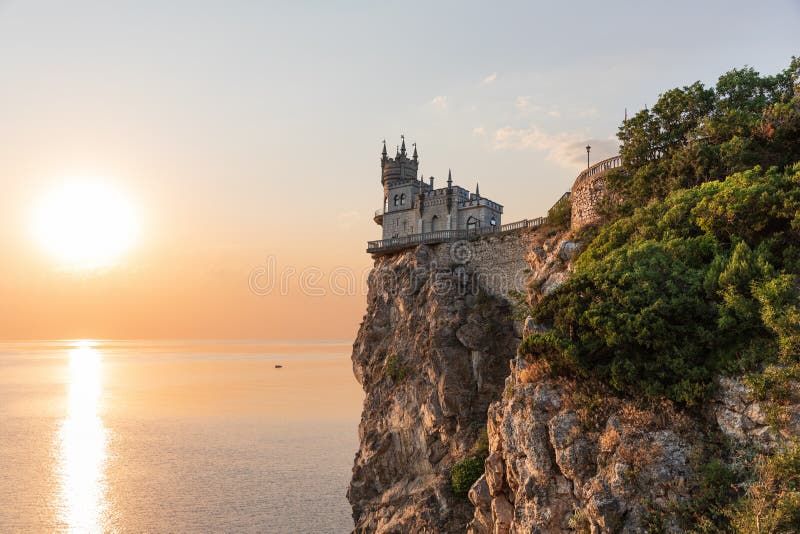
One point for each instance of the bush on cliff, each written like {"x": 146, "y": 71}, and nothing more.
{"x": 465, "y": 472}
{"x": 703, "y": 281}
{"x": 394, "y": 368}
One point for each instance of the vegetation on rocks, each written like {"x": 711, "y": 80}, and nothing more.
{"x": 395, "y": 368}
{"x": 696, "y": 274}
{"x": 465, "y": 472}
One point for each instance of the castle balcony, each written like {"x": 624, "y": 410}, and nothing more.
{"x": 378, "y": 218}
{"x": 386, "y": 246}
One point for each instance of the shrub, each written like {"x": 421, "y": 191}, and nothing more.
{"x": 464, "y": 473}
{"x": 772, "y": 501}
{"x": 560, "y": 214}
{"x": 394, "y": 368}
{"x": 609, "y": 439}
{"x": 535, "y": 372}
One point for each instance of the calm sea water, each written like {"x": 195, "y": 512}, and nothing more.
{"x": 176, "y": 437}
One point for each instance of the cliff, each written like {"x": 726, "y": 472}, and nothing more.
{"x": 437, "y": 357}
{"x": 432, "y": 354}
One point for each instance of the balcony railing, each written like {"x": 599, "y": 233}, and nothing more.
{"x": 443, "y": 236}
{"x": 601, "y": 166}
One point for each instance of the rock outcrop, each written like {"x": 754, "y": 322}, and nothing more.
{"x": 431, "y": 354}
{"x": 560, "y": 462}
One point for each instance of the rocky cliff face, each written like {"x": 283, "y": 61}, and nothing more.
{"x": 570, "y": 456}
{"x": 431, "y": 355}
{"x": 436, "y": 355}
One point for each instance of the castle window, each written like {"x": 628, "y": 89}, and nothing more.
{"x": 434, "y": 223}
{"x": 403, "y": 199}
{"x": 472, "y": 222}
{"x": 396, "y": 200}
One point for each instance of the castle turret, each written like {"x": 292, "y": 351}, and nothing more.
{"x": 399, "y": 168}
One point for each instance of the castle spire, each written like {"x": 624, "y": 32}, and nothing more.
{"x": 415, "y": 156}
{"x": 449, "y": 179}
{"x": 384, "y": 153}
{"x": 477, "y": 190}
{"x": 403, "y": 145}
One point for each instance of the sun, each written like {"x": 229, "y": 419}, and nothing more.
{"x": 86, "y": 224}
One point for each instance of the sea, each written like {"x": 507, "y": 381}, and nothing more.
{"x": 177, "y": 436}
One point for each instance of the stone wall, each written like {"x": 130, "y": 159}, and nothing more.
{"x": 496, "y": 261}
{"x": 587, "y": 192}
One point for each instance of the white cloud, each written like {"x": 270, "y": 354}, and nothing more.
{"x": 439, "y": 102}
{"x": 567, "y": 149}
{"x": 524, "y": 103}
{"x": 479, "y": 130}
{"x": 586, "y": 112}
{"x": 526, "y": 107}
{"x": 489, "y": 79}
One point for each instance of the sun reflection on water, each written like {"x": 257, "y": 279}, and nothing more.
{"x": 82, "y": 445}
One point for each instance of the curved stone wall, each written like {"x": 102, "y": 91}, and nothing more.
{"x": 587, "y": 192}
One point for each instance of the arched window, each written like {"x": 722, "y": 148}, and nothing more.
{"x": 403, "y": 199}
{"x": 472, "y": 223}
{"x": 434, "y": 223}
{"x": 396, "y": 200}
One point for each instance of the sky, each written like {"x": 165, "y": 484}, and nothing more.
{"x": 246, "y": 137}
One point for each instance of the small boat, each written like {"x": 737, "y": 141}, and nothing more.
{"x": 278, "y": 366}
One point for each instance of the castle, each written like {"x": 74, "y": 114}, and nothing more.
{"x": 411, "y": 206}
{"x": 416, "y": 213}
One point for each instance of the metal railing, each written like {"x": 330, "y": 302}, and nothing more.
{"x": 601, "y": 166}
{"x": 443, "y": 236}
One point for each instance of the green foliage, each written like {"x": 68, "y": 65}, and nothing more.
{"x": 703, "y": 281}
{"x": 772, "y": 500}
{"x": 394, "y": 368}
{"x": 520, "y": 308}
{"x": 696, "y": 134}
{"x": 560, "y": 214}
{"x": 464, "y": 473}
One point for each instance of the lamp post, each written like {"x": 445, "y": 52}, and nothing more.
{"x": 588, "y": 148}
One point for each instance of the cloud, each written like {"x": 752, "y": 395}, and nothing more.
{"x": 586, "y": 112}
{"x": 567, "y": 149}
{"x": 439, "y": 102}
{"x": 479, "y": 130}
{"x": 524, "y": 103}
{"x": 526, "y": 107}
{"x": 489, "y": 79}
